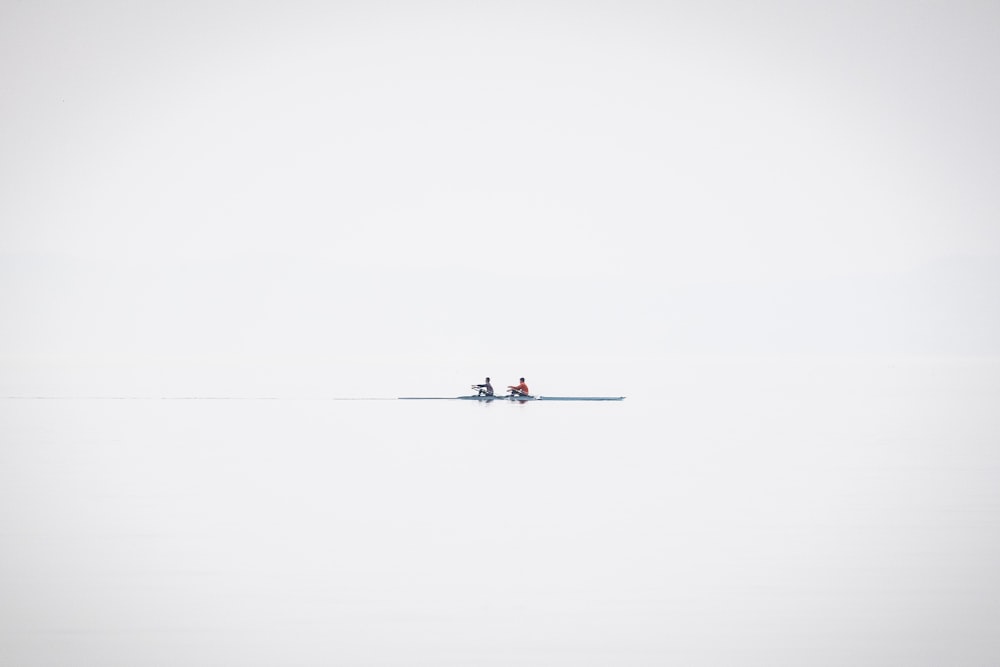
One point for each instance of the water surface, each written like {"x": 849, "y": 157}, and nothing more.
{"x": 754, "y": 516}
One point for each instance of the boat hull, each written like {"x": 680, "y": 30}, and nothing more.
{"x": 519, "y": 399}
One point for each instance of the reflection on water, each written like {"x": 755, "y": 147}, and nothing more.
{"x": 754, "y": 517}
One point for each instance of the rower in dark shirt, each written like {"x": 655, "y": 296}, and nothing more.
{"x": 485, "y": 389}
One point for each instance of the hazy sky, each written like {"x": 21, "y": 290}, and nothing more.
{"x": 210, "y": 179}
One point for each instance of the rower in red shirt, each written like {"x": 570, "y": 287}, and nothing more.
{"x": 521, "y": 389}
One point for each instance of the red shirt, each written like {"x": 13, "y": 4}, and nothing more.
{"x": 523, "y": 388}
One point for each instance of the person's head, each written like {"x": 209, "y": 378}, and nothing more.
{"x": 487, "y": 379}
{"x": 522, "y": 379}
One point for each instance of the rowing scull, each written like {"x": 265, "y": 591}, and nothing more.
{"x": 516, "y": 397}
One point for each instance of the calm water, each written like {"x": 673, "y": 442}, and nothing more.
{"x": 825, "y": 515}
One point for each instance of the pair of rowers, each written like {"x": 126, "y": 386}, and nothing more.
{"x": 486, "y": 389}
